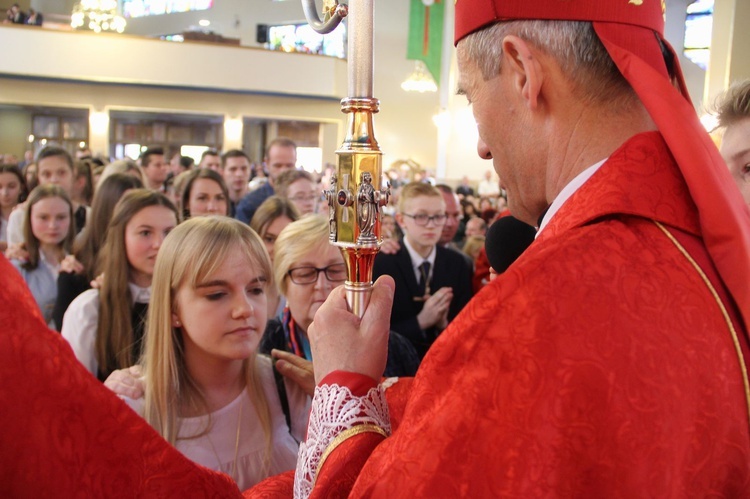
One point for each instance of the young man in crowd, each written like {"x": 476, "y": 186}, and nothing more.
{"x": 235, "y": 168}
{"x": 210, "y": 159}
{"x": 734, "y": 117}
{"x": 154, "y": 168}
{"x": 281, "y": 155}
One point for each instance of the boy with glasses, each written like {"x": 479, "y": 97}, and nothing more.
{"x": 433, "y": 283}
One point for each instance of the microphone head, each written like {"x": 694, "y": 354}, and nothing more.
{"x": 506, "y": 239}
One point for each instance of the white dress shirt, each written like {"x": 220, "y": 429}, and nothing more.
{"x": 567, "y": 192}
{"x": 81, "y": 320}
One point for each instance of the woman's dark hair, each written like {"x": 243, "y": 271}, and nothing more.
{"x": 469, "y": 209}
{"x": 195, "y": 175}
{"x": 83, "y": 169}
{"x": 34, "y": 179}
{"x": 114, "y": 338}
{"x": 22, "y": 181}
{"x": 92, "y": 238}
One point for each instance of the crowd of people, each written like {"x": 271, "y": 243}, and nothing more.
{"x": 211, "y": 304}
{"x": 15, "y": 15}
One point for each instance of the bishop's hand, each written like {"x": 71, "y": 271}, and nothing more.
{"x": 341, "y": 341}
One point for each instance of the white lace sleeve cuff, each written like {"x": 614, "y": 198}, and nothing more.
{"x": 334, "y": 410}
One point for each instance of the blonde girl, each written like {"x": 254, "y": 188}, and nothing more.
{"x": 48, "y": 233}
{"x": 105, "y": 326}
{"x": 206, "y": 390}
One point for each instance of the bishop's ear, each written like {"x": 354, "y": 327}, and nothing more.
{"x": 527, "y": 71}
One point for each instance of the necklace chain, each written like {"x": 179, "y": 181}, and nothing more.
{"x": 236, "y": 444}
{"x": 237, "y": 440}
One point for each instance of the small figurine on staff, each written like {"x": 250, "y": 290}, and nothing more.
{"x": 368, "y": 209}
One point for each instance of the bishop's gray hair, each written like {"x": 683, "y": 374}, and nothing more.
{"x": 572, "y": 44}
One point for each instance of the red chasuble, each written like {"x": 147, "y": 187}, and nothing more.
{"x": 603, "y": 363}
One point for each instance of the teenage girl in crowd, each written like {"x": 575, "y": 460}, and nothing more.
{"x": 29, "y": 175}
{"x": 204, "y": 193}
{"x": 83, "y": 184}
{"x": 105, "y": 326}
{"x": 269, "y": 220}
{"x": 12, "y": 192}
{"x": 48, "y": 234}
{"x": 206, "y": 390}
{"x": 79, "y": 269}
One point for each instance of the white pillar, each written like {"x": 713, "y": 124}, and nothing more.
{"x": 730, "y": 39}
{"x": 232, "y": 133}
{"x": 99, "y": 132}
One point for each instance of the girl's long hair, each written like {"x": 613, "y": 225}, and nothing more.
{"x": 192, "y": 252}
{"x": 114, "y": 338}
{"x": 87, "y": 245}
{"x": 32, "y": 243}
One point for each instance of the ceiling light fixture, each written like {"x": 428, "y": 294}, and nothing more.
{"x": 98, "y": 16}
{"x": 420, "y": 80}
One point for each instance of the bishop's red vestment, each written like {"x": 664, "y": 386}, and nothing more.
{"x": 606, "y": 362}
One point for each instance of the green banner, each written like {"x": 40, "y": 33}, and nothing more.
{"x": 426, "y": 35}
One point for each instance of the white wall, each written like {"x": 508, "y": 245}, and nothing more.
{"x": 106, "y": 57}
{"x": 729, "y": 47}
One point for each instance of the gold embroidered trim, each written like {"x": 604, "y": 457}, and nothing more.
{"x": 345, "y": 435}
{"x": 733, "y": 332}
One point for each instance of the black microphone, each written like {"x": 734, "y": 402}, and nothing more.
{"x": 506, "y": 239}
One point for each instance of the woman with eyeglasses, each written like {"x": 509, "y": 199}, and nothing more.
{"x": 307, "y": 268}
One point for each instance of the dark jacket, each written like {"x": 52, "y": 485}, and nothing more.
{"x": 451, "y": 269}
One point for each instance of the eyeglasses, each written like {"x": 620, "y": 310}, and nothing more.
{"x": 308, "y": 275}
{"x": 423, "y": 219}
